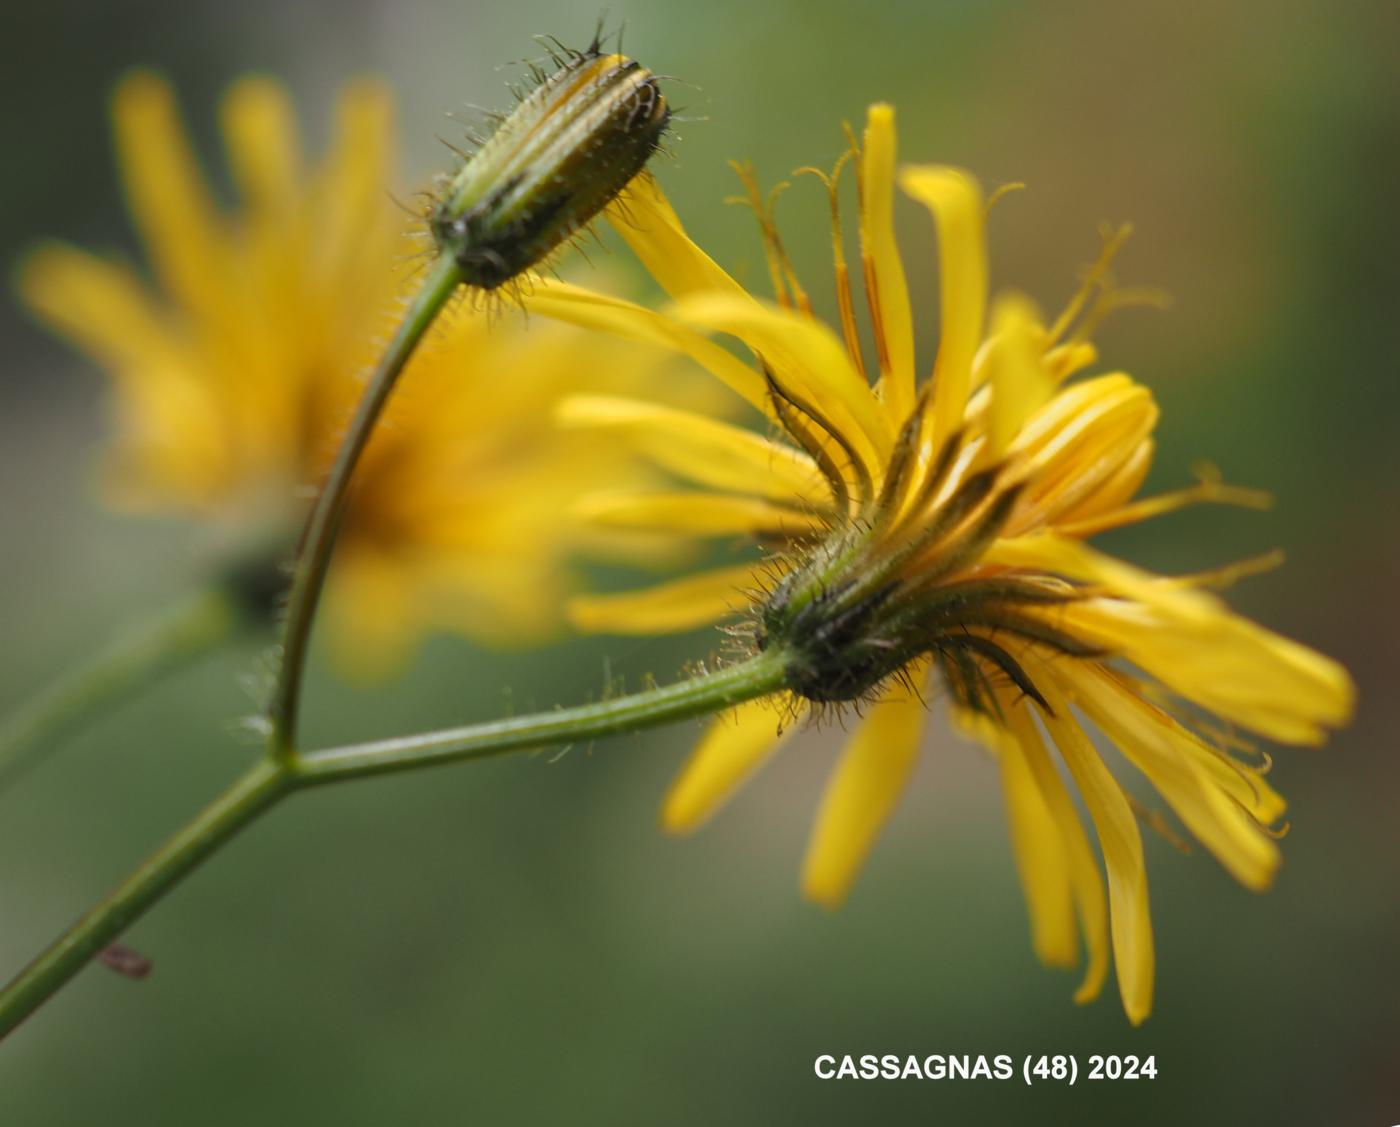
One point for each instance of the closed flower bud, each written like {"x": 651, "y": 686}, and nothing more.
{"x": 558, "y": 159}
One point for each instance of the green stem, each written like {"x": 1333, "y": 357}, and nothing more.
{"x": 274, "y": 777}
{"x": 756, "y": 677}
{"x": 234, "y": 809}
{"x": 192, "y": 628}
{"x": 439, "y": 285}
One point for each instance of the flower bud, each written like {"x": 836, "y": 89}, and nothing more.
{"x": 558, "y": 159}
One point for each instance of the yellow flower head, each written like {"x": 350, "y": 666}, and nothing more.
{"x": 935, "y": 533}
{"x": 233, "y": 374}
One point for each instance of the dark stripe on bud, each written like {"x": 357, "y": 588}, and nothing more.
{"x": 565, "y": 152}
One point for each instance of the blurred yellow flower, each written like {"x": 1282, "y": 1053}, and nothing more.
{"x": 233, "y": 374}
{"x": 935, "y": 533}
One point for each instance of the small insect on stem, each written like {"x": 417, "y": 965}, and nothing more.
{"x": 122, "y": 959}
{"x": 568, "y": 148}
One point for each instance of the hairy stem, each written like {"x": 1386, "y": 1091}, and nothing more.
{"x": 234, "y": 809}
{"x": 314, "y": 559}
{"x": 191, "y": 629}
{"x": 756, "y": 677}
{"x": 274, "y": 777}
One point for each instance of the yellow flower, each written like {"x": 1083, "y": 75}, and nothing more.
{"x": 234, "y": 372}
{"x": 935, "y": 533}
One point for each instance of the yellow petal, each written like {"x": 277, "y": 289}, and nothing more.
{"x": 734, "y": 746}
{"x": 862, "y": 793}
{"x": 1169, "y": 758}
{"x": 1078, "y": 444}
{"x": 889, "y": 293}
{"x": 643, "y": 216}
{"x": 1046, "y": 551}
{"x": 261, "y": 133}
{"x": 262, "y": 352}
{"x": 1039, "y": 848}
{"x": 509, "y": 599}
{"x": 1070, "y": 403}
{"x": 167, "y": 194}
{"x": 1020, "y": 383}
{"x": 1041, "y": 864}
{"x": 1122, "y": 850}
{"x": 696, "y": 514}
{"x": 956, "y": 202}
{"x": 1085, "y": 881}
{"x": 354, "y": 177}
{"x": 577, "y": 306}
{"x": 1113, "y": 492}
{"x": 705, "y": 451}
{"x": 372, "y": 617}
{"x": 1222, "y": 661}
{"x": 683, "y": 604}
{"x": 173, "y": 444}
{"x": 101, "y": 305}
{"x": 808, "y": 358}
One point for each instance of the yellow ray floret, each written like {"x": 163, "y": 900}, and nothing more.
{"x": 707, "y": 452}
{"x": 956, "y": 202}
{"x": 1082, "y": 869}
{"x": 884, "y": 271}
{"x": 862, "y": 793}
{"x": 1130, "y": 918}
{"x": 735, "y": 746}
{"x": 682, "y": 604}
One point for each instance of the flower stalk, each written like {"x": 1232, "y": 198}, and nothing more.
{"x": 274, "y": 777}
{"x": 309, "y": 578}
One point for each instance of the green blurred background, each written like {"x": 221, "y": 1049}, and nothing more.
{"x": 514, "y": 942}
